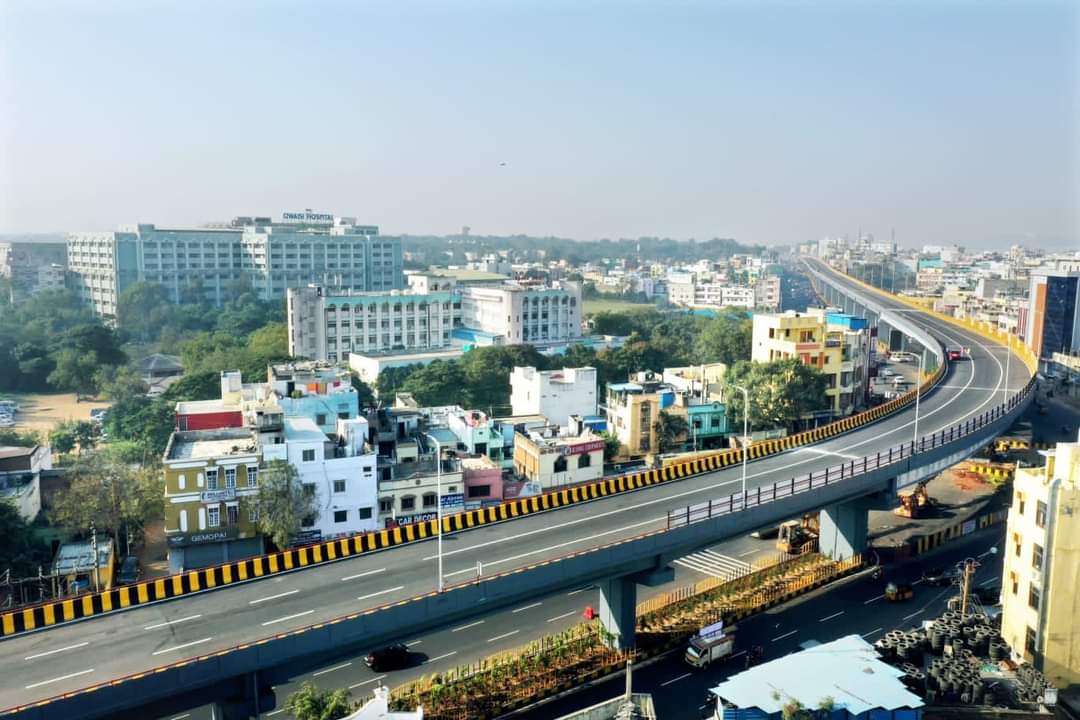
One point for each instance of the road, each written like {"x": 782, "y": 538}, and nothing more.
{"x": 68, "y": 657}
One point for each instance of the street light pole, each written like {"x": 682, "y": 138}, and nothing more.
{"x": 1008, "y": 359}
{"x": 438, "y": 506}
{"x": 918, "y": 393}
{"x": 746, "y": 436}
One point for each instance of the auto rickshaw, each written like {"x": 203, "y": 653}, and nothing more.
{"x": 898, "y": 592}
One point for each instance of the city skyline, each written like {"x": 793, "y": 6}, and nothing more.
{"x": 767, "y": 123}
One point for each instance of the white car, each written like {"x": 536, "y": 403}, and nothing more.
{"x": 898, "y": 358}
{"x": 886, "y": 372}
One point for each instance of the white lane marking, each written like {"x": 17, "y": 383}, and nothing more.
{"x": 579, "y": 590}
{"x": 675, "y": 679}
{"x": 560, "y": 617}
{"x": 873, "y": 599}
{"x": 381, "y": 592}
{"x": 917, "y": 612}
{"x": 181, "y": 647}
{"x": 503, "y": 636}
{"x": 58, "y": 679}
{"x": 363, "y": 574}
{"x": 288, "y": 617}
{"x": 988, "y": 552}
{"x": 748, "y": 552}
{"x": 366, "y": 682}
{"x": 527, "y": 607}
{"x": 787, "y": 634}
{"x": 830, "y": 617}
{"x": 991, "y": 581}
{"x": 918, "y": 581}
{"x": 181, "y": 717}
{"x": 331, "y": 669}
{"x": 875, "y": 630}
{"x": 57, "y": 650}
{"x": 273, "y": 597}
{"x": 275, "y": 712}
{"x": 414, "y": 642}
{"x": 819, "y": 451}
{"x": 172, "y": 622}
{"x": 741, "y": 652}
{"x": 441, "y": 657}
{"x": 466, "y": 627}
{"x": 714, "y": 564}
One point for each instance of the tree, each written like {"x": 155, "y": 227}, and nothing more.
{"x": 781, "y": 392}
{"x": 75, "y": 371}
{"x": 24, "y": 438}
{"x": 281, "y": 503}
{"x": 312, "y": 703}
{"x": 670, "y": 429}
{"x": 440, "y": 383}
{"x": 365, "y": 394}
{"x": 726, "y": 338}
{"x": 62, "y": 437}
{"x": 391, "y": 379}
{"x": 18, "y": 550}
{"x": 612, "y": 446}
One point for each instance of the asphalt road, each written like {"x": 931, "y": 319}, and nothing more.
{"x": 68, "y": 657}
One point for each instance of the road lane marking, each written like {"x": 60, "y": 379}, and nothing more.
{"x": 830, "y": 617}
{"x": 875, "y": 630}
{"x": 366, "y": 682}
{"x": 172, "y": 622}
{"x": 414, "y": 642}
{"x": 273, "y": 597}
{"x": 873, "y": 599}
{"x": 181, "y": 717}
{"x": 363, "y": 574}
{"x": 748, "y": 552}
{"x": 381, "y": 592}
{"x": 331, "y": 669}
{"x": 288, "y": 617}
{"x": 741, "y": 652}
{"x": 57, "y": 650}
{"x": 466, "y": 627}
{"x": 181, "y": 647}
{"x": 503, "y": 636}
{"x": 579, "y": 590}
{"x": 527, "y": 607}
{"x": 441, "y": 657}
{"x": 275, "y": 712}
{"x": 917, "y": 612}
{"x": 991, "y": 581}
{"x": 788, "y": 634}
{"x": 919, "y": 581}
{"x": 58, "y": 679}
{"x": 564, "y": 615}
{"x": 819, "y": 451}
{"x": 675, "y": 679}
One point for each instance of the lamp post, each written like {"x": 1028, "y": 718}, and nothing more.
{"x": 746, "y": 435}
{"x": 438, "y": 506}
{"x": 918, "y": 393}
{"x": 1008, "y": 359}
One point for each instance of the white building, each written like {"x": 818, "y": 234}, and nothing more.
{"x": 367, "y": 366}
{"x": 211, "y": 263}
{"x": 327, "y": 324}
{"x": 734, "y": 296}
{"x": 555, "y": 394}
{"x": 552, "y": 458}
{"x": 519, "y": 314}
{"x": 339, "y": 473}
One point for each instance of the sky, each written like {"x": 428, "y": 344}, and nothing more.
{"x": 768, "y": 122}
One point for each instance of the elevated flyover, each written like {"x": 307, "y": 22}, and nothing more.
{"x": 234, "y": 643}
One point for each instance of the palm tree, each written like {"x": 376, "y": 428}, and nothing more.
{"x": 671, "y": 430}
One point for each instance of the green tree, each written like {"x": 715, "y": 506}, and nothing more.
{"x": 143, "y": 310}
{"x": 611, "y": 445}
{"x": 726, "y": 338}
{"x": 671, "y": 430}
{"x": 365, "y": 393}
{"x": 19, "y": 438}
{"x": 391, "y": 379}
{"x": 75, "y": 371}
{"x": 281, "y": 503}
{"x": 440, "y": 383}
{"x": 62, "y": 437}
{"x": 781, "y": 392}
{"x": 19, "y": 552}
{"x": 312, "y": 703}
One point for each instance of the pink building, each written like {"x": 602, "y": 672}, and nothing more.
{"x": 483, "y": 479}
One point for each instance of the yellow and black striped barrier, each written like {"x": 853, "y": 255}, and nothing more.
{"x": 926, "y": 543}
{"x": 91, "y": 604}
{"x": 993, "y": 471}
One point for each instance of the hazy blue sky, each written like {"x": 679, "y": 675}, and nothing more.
{"x": 769, "y": 122}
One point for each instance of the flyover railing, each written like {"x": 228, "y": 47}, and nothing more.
{"x": 736, "y": 502}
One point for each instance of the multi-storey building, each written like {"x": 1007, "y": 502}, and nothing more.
{"x": 32, "y": 266}
{"x": 836, "y": 344}
{"x": 1041, "y": 571}
{"x": 519, "y": 314}
{"x": 1053, "y": 318}
{"x": 211, "y": 264}
{"x": 634, "y": 407}
{"x": 207, "y": 474}
{"x": 319, "y": 392}
{"x": 552, "y": 458}
{"x": 767, "y": 293}
{"x": 329, "y": 324}
{"x": 555, "y": 394}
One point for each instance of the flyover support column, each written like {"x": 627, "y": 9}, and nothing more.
{"x": 618, "y": 602}
{"x": 843, "y": 528}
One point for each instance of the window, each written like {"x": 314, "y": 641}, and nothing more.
{"x": 1040, "y": 514}
{"x": 343, "y": 415}
{"x": 1018, "y": 543}
{"x": 213, "y": 516}
{"x": 560, "y": 464}
{"x": 308, "y": 456}
{"x": 339, "y": 486}
{"x": 1037, "y": 557}
{"x": 1033, "y": 597}
{"x": 341, "y": 516}
{"x": 232, "y": 512}
{"x": 584, "y": 460}
{"x": 211, "y": 479}
{"x": 230, "y": 478}
{"x": 1020, "y": 503}
{"x": 479, "y": 491}
{"x": 307, "y": 522}
{"x": 252, "y": 475}
{"x": 429, "y": 500}
{"x": 408, "y": 503}
{"x": 1029, "y": 641}
{"x": 320, "y": 419}
{"x": 386, "y": 504}
{"x": 1014, "y": 579}
{"x": 181, "y": 481}
{"x": 365, "y": 513}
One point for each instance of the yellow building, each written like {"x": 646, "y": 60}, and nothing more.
{"x": 633, "y": 408}
{"x": 553, "y": 460}
{"x": 835, "y": 343}
{"x": 207, "y": 474}
{"x": 1040, "y": 604}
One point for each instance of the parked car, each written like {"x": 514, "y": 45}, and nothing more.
{"x": 97, "y": 415}
{"x": 886, "y": 372}
{"x": 391, "y": 657}
{"x": 129, "y": 572}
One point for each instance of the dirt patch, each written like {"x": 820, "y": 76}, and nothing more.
{"x": 43, "y": 411}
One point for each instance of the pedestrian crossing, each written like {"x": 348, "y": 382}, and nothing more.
{"x": 714, "y": 564}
